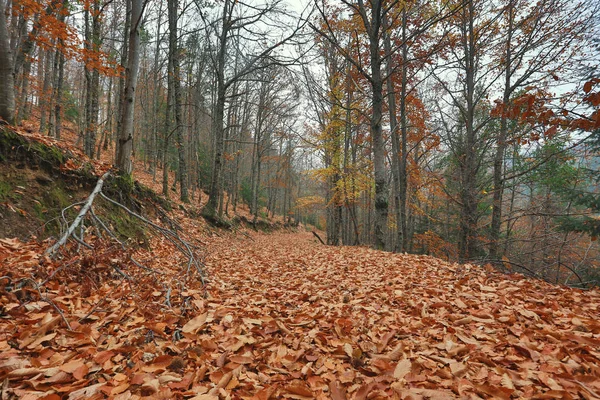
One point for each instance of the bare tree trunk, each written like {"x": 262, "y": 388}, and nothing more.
{"x": 403, "y": 170}
{"x": 167, "y": 137}
{"x": 175, "y": 81}
{"x": 121, "y": 87}
{"x": 92, "y": 78}
{"x": 156, "y": 95}
{"x": 395, "y": 157}
{"x": 381, "y": 202}
{"x": 58, "y": 93}
{"x": 498, "y": 181}
{"x": 468, "y": 196}
{"x": 7, "y": 83}
{"x": 44, "y": 93}
{"x": 125, "y": 141}
{"x": 258, "y": 150}
{"x": 374, "y": 28}
{"x": 210, "y": 209}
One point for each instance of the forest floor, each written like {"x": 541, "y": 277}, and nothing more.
{"x": 286, "y": 317}
{"x": 282, "y": 316}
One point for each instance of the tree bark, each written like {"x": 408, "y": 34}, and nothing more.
{"x": 175, "y": 81}
{"x": 7, "y": 83}
{"x": 124, "y": 156}
{"x": 381, "y": 202}
{"x": 498, "y": 180}
{"x": 468, "y": 196}
{"x": 210, "y": 209}
{"x": 92, "y": 78}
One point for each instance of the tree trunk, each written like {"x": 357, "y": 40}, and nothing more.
{"x": 374, "y": 28}
{"x": 403, "y": 170}
{"x": 396, "y": 154}
{"x": 7, "y": 83}
{"x": 58, "y": 94}
{"x": 210, "y": 209}
{"x": 495, "y": 249}
{"x": 92, "y": 78}
{"x": 44, "y": 93}
{"x": 125, "y": 141}
{"x": 175, "y": 81}
{"x": 381, "y": 202}
{"x": 468, "y": 218}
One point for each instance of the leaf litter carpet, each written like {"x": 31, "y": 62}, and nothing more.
{"x": 284, "y": 317}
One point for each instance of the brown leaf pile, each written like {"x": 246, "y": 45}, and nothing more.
{"x": 287, "y": 318}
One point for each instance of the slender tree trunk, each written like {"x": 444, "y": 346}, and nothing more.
{"x": 58, "y": 95}
{"x": 176, "y": 83}
{"x": 125, "y": 141}
{"x": 92, "y": 78}
{"x": 210, "y": 209}
{"x": 378, "y": 143}
{"x": 54, "y": 93}
{"x": 156, "y": 95}
{"x": 495, "y": 249}
{"x": 395, "y": 157}
{"x": 44, "y": 93}
{"x": 403, "y": 170}
{"x": 468, "y": 196}
{"x": 167, "y": 137}
{"x": 121, "y": 88}
{"x": 258, "y": 151}
{"x": 7, "y": 83}
{"x": 108, "y": 128}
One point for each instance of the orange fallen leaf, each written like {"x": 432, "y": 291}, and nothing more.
{"x": 194, "y": 325}
{"x": 402, "y": 368}
{"x": 337, "y": 393}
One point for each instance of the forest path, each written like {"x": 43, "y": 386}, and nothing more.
{"x": 347, "y": 322}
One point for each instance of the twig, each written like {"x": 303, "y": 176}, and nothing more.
{"x": 318, "y": 237}
{"x": 64, "y": 218}
{"x": 113, "y": 236}
{"x": 168, "y": 299}
{"x": 173, "y": 237}
{"x": 47, "y": 300}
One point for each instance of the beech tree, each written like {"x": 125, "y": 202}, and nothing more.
{"x": 92, "y": 21}
{"x": 465, "y": 81}
{"x": 124, "y": 148}
{"x": 175, "y": 88}
{"x": 7, "y": 93}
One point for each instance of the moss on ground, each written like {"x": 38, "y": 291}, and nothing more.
{"x": 5, "y": 190}
{"x": 14, "y": 147}
{"x": 46, "y": 191}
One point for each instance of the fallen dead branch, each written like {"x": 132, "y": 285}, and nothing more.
{"x": 173, "y": 237}
{"x": 318, "y": 237}
{"x": 186, "y": 248}
{"x": 80, "y": 216}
